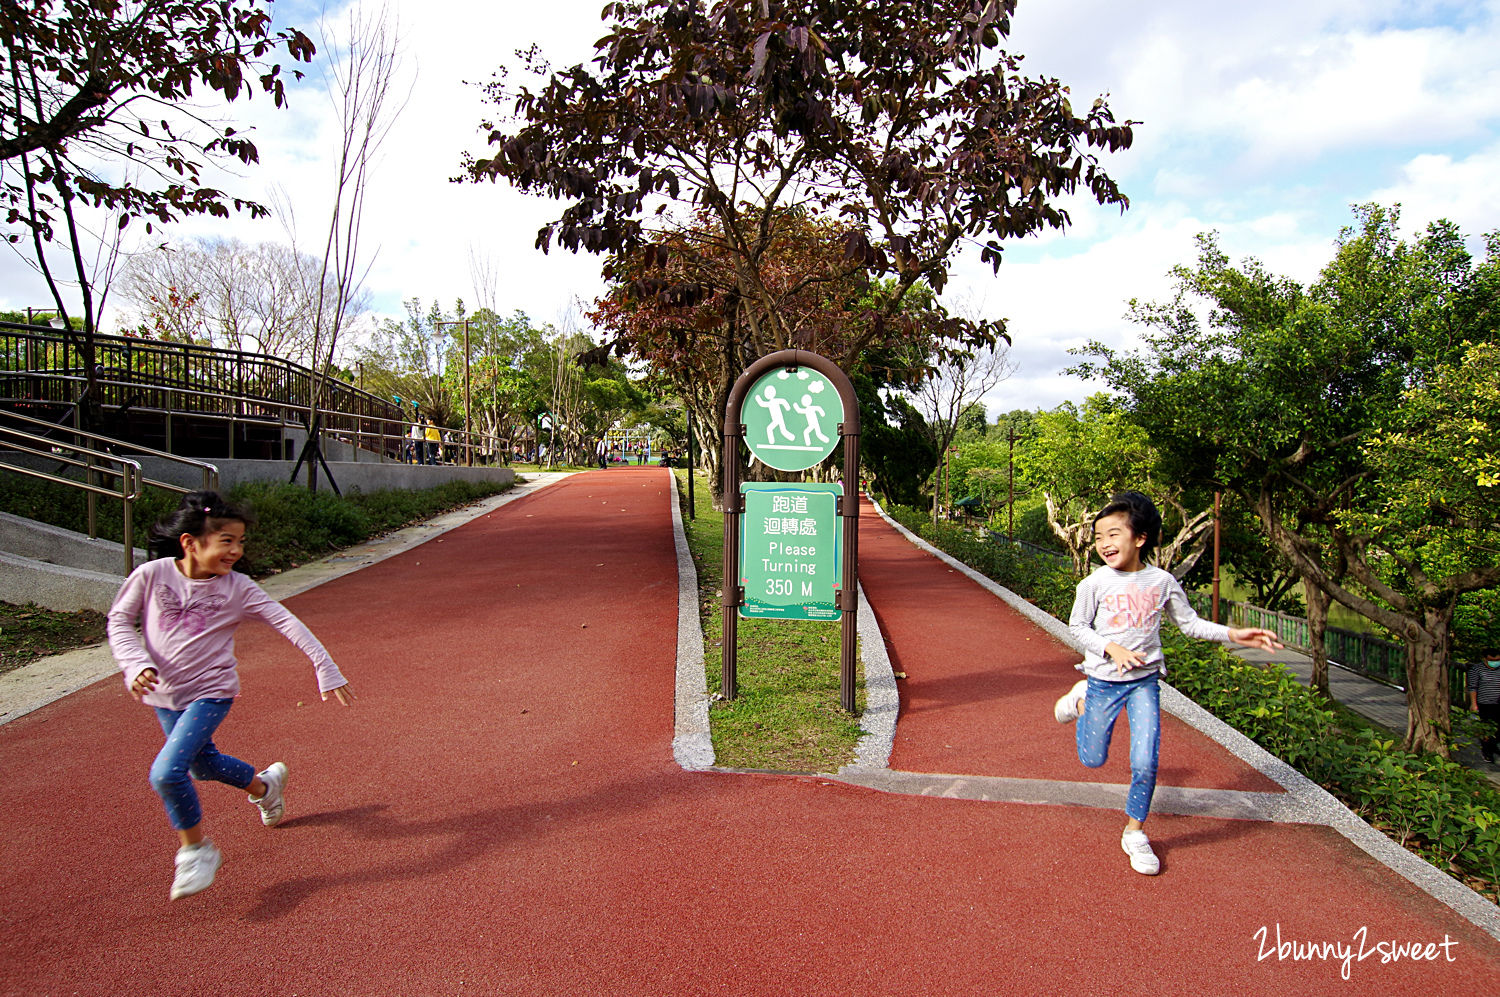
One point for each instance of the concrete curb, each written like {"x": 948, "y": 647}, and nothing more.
{"x": 49, "y": 679}
{"x": 692, "y": 744}
{"x": 882, "y": 701}
{"x": 692, "y": 747}
{"x": 1317, "y": 804}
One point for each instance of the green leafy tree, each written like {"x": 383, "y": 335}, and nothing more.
{"x": 1250, "y": 383}
{"x": 896, "y": 451}
{"x": 505, "y": 392}
{"x": 408, "y": 359}
{"x": 1078, "y": 458}
{"x": 1423, "y": 524}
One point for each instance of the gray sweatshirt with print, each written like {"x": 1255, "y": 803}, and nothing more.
{"x": 1125, "y": 608}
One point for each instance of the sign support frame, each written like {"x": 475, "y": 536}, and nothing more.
{"x": 848, "y": 509}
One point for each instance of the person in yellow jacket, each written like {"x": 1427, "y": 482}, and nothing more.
{"x": 434, "y": 442}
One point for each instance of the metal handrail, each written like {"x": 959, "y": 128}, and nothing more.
{"x": 129, "y": 474}
{"x": 217, "y": 362}
{"x": 209, "y": 471}
{"x": 475, "y": 439}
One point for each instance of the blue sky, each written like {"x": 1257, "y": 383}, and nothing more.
{"x": 1264, "y": 122}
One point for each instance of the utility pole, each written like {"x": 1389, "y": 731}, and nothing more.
{"x": 692, "y": 505}
{"x": 1010, "y": 484}
{"x": 1214, "y": 612}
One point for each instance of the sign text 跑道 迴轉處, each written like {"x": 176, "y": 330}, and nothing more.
{"x": 789, "y": 551}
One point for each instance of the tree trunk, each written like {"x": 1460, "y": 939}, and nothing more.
{"x": 1074, "y": 536}
{"x": 713, "y": 448}
{"x": 1427, "y": 716}
{"x": 1318, "y": 602}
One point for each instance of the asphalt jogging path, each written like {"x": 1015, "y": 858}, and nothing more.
{"x": 500, "y": 813}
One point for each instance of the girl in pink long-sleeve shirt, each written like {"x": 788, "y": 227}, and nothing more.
{"x": 188, "y": 603}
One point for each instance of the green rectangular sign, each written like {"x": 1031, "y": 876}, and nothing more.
{"x": 790, "y": 544}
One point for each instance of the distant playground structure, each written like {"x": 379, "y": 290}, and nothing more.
{"x": 629, "y": 444}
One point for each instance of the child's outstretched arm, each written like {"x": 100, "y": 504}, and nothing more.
{"x": 1255, "y": 637}
{"x": 330, "y": 679}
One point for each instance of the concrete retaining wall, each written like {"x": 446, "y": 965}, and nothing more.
{"x": 54, "y": 586}
{"x": 351, "y": 475}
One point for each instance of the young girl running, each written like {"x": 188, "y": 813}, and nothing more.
{"x": 1117, "y": 618}
{"x": 188, "y": 603}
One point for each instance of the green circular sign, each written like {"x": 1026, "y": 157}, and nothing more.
{"x": 792, "y": 418}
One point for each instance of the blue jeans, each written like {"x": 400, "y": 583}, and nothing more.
{"x": 190, "y": 751}
{"x": 1141, "y": 699}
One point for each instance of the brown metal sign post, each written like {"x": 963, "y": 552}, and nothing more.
{"x": 792, "y": 361}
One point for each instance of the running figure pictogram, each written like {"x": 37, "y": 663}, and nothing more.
{"x": 806, "y": 408}
{"x": 777, "y": 407}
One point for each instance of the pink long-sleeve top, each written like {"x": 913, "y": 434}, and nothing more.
{"x": 187, "y": 633}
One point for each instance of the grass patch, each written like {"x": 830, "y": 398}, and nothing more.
{"x": 30, "y": 632}
{"x": 787, "y": 715}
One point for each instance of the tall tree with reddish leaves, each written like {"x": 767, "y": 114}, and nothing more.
{"x": 906, "y": 123}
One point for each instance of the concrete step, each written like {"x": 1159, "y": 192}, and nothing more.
{"x": 40, "y": 542}
{"x": 54, "y": 586}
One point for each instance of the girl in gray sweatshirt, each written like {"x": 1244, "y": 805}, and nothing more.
{"x": 1116, "y": 619}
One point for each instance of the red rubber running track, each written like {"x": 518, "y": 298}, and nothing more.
{"x": 500, "y": 814}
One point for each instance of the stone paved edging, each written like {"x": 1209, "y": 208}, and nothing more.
{"x": 49, "y": 679}
{"x": 692, "y": 746}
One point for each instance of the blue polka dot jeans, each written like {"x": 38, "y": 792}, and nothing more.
{"x": 1141, "y": 699}
{"x": 190, "y": 754}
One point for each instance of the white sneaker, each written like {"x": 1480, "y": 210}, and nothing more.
{"x": 1068, "y": 708}
{"x": 272, "y": 806}
{"x": 196, "y": 866}
{"x": 1142, "y": 859}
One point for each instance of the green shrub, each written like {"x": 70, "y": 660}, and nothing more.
{"x": 1437, "y": 808}
{"x": 1035, "y": 577}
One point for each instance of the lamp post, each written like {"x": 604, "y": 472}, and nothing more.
{"x": 468, "y": 444}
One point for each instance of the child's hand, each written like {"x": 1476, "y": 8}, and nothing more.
{"x": 1124, "y": 658}
{"x": 1256, "y": 637}
{"x": 144, "y": 683}
{"x": 344, "y": 694}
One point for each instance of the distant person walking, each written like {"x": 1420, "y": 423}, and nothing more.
{"x": 415, "y": 444}
{"x": 1116, "y": 616}
{"x": 1484, "y": 699}
{"x": 434, "y": 442}
{"x": 601, "y": 452}
{"x": 188, "y": 602}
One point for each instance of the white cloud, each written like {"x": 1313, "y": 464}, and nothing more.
{"x": 1436, "y": 185}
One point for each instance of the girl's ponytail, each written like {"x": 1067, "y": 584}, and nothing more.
{"x": 199, "y": 512}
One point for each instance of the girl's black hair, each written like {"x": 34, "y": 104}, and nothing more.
{"x": 1145, "y": 521}
{"x": 199, "y": 514}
